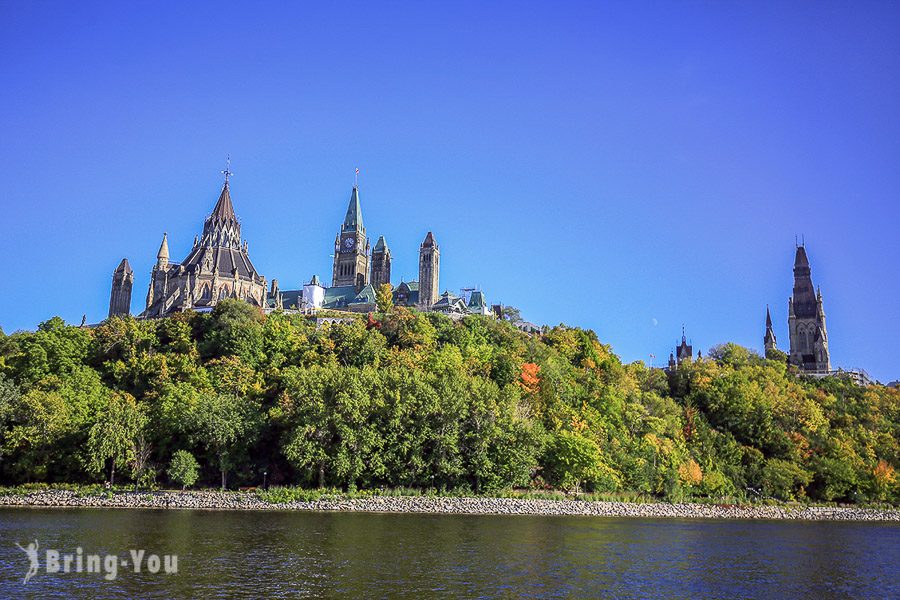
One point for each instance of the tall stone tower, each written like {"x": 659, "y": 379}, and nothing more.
{"x": 806, "y": 320}
{"x": 429, "y": 272}
{"x": 351, "y": 248}
{"x": 120, "y": 295}
{"x": 381, "y": 263}
{"x": 769, "y": 339}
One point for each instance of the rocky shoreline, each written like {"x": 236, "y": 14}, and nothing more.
{"x": 212, "y": 500}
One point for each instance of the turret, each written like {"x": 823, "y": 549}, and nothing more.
{"x": 381, "y": 263}
{"x": 162, "y": 257}
{"x": 429, "y": 272}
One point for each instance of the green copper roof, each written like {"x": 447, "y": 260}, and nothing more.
{"x": 380, "y": 244}
{"x": 336, "y": 297}
{"x": 477, "y": 300}
{"x": 366, "y": 295}
{"x": 353, "y": 220}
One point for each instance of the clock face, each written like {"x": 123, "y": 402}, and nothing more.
{"x": 349, "y": 243}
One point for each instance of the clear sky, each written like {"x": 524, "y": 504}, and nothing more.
{"x": 621, "y": 167}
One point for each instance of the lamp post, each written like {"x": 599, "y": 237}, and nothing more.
{"x": 265, "y": 473}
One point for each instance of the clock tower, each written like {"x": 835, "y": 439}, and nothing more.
{"x": 351, "y": 248}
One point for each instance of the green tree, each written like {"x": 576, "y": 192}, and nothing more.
{"x": 221, "y": 421}
{"x": 235, "y": 328}
{"x": 9, "y": 399}
{"x": 784, "y": 480}
{"x": 573, "y": 461}
{"x": 183, "y": 469}
{"x": 113, "y": 437}
{"x": 511, "y": 313}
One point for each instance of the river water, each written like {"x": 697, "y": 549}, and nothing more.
{"x": 297, "y": 554}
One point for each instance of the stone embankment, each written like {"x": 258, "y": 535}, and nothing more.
{"x": 210, "y": 500}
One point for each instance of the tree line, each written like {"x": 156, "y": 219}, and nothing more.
{"x": 409, "y": 399}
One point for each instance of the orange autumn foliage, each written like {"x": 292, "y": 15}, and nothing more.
{"x": 690, "y": 473}
{"x": 529, "y": 378}
{"x": 884, "y": 473}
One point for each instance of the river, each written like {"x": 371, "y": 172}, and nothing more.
{"x": 299, "y": 554}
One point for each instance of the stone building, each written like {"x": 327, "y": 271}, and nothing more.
{"x": 683, "y": 352}
{"x": 218, "y": 267}
{"x": 806, "y": 320}
{"x": 353, "y": 286}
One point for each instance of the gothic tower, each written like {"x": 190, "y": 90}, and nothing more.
{"x": 120, "y": 296}
{"x": 684, "y": 351}
{"x": 381, "y": 263}
{"x": 806, "y": 320}
{"x": 769, "y": 339}
{"x": 429, "y": 272}
{"x": 351, "y": 248}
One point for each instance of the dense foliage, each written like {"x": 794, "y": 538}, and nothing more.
{"x": 417, "y": 400}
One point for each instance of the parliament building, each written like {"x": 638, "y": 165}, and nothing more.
{"x": 218, "y": 266}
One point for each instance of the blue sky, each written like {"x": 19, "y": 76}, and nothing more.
{"x": 625, "y": 167}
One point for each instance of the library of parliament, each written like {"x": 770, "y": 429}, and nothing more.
{"x": 218, "y": 267}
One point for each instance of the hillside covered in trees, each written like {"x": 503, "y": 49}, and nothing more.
{"x": 417, "y": 400}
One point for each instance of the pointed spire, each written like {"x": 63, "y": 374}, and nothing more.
{"x": 381, "y": 244}
{"x": 429, "y": 241}
{"x": 800, "y": 259}
{"x": 769, "y": 338}
{"x": 222, "y": 227}
{"x": 162, "y": 257}
{"x": 353, "y": 220}
{"x": 224, "y": 209}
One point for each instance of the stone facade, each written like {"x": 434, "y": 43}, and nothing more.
{"x": 381, "y": 263}
{"x": 217, "y": 267}
{"x": 806, "y": 320}
{"x": 806, "y": 324}
{"x": 429, "y": 272}
{"x": 351, "y": 249}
